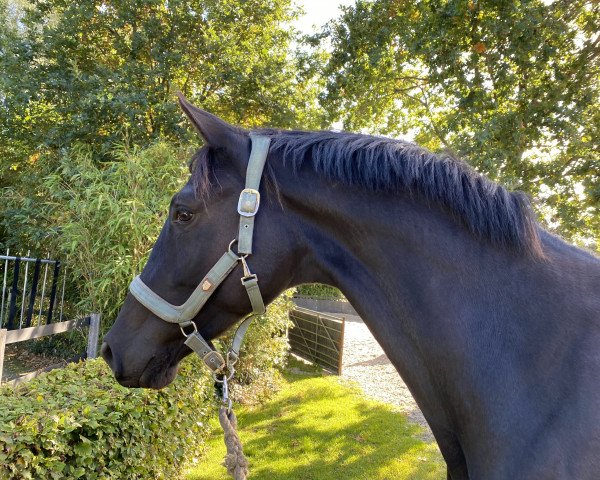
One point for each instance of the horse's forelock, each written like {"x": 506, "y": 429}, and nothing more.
{"x": 202, "y": 172}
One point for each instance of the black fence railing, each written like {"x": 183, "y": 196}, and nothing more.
{"x": 31, "y": 288}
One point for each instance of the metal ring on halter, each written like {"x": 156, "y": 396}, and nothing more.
{"x": 240, "y": 257}
{"x": 184, "y": 325}
{"x": 231, "y": 358}
{"x": 229, "y": 376}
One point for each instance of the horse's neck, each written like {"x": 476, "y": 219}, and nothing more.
{"x": 445, "y": 306}
{"x": 408, "y": 269}
{"x": 398, "y": 260}
{"x": 409, "y": 266}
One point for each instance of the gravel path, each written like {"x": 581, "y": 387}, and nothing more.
{"x": 364, "y": 362}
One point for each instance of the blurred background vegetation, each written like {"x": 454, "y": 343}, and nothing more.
{"x": 92, "y": 144}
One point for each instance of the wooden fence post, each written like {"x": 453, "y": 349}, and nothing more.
{"x": 2, "y": 347}
{"x": 93, "y": 334}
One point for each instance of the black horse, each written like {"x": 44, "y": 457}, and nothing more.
{"x": 492, "y": 322}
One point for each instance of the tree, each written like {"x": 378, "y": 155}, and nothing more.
{"x": 512, "y": 86}
{"x": 105, "y": 72}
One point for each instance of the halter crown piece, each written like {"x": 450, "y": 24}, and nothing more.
{"x": 183, "y": 314}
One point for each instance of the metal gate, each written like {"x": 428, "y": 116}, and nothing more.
{"x": 318, "y": 337}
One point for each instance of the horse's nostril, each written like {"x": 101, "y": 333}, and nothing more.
{"x": 106, "y": 353}
{"x": 108, "y": 356}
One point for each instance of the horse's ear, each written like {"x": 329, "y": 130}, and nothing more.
{"x": 215, "y": 132}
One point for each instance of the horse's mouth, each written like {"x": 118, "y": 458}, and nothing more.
{"x": 157, "y": 378}
{"x": 158, "y": 373}
{"x": 153, "y": 376}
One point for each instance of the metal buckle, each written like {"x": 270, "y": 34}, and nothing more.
{"x": 246, "y": 279}
{"x": 249, "y": 202}
{"x": 214, "y": 360}
{"x": 248, "y": 275}
{"x": 232, "y": 359}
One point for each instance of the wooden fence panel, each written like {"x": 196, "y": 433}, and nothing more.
{"x": 14, "y": 336}
{"x": 23, "y": 334}
{"x": 318, "y": 337}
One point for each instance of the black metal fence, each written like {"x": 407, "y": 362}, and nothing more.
{"x": 32, "y": 291}
{"x": 32, "y": 304}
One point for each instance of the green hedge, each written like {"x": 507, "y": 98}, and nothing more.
{"x": 319, "y": 290}
{"x": 77, "y": 422}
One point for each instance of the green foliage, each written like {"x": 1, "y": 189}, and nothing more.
{"x": 263, "y": 352}
{"x": 266, "y": 346}
{"x": 319, "y": 290}
{"x": 77, "y": 422}
{"x": 104, "y": 219}
{"x": 512, "y": 86}
{"x": 106, "y": 73}
{"x": 319, "y": 428}
{"x": 98, "y": 429}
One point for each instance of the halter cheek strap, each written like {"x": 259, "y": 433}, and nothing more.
{"x": 182, "y": 315}
{"x": 250, "y": 198}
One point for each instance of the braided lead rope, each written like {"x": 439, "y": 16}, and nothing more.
{"x": 235, "y": 461}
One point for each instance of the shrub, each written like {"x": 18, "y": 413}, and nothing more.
{"x": 264, "y": 350}
{"x": 103, "y": 218}
{"x": 319, "y": 290}
{"x": 77, "y": 422}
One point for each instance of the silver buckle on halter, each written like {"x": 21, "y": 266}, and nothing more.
{"x": 249, "y": 202}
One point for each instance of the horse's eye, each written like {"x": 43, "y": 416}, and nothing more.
{"x": 183, "y": 216}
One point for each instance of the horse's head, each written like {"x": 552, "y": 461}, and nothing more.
{"x": 142, "y": 349}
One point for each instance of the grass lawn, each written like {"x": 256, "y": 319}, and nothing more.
{"x": 317, "y": 428}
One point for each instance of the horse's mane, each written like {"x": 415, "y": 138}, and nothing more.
{"x": 487, "y": 209}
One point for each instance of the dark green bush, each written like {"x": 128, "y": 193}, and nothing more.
{"x": 77, "y": 422}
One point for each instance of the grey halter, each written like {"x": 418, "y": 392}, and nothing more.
{"x": 182, "y": 315}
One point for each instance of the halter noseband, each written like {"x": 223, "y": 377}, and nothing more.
{"x": 183, "y": 314}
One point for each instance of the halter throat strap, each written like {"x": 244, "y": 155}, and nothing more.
{"x": 182, "y": 315}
